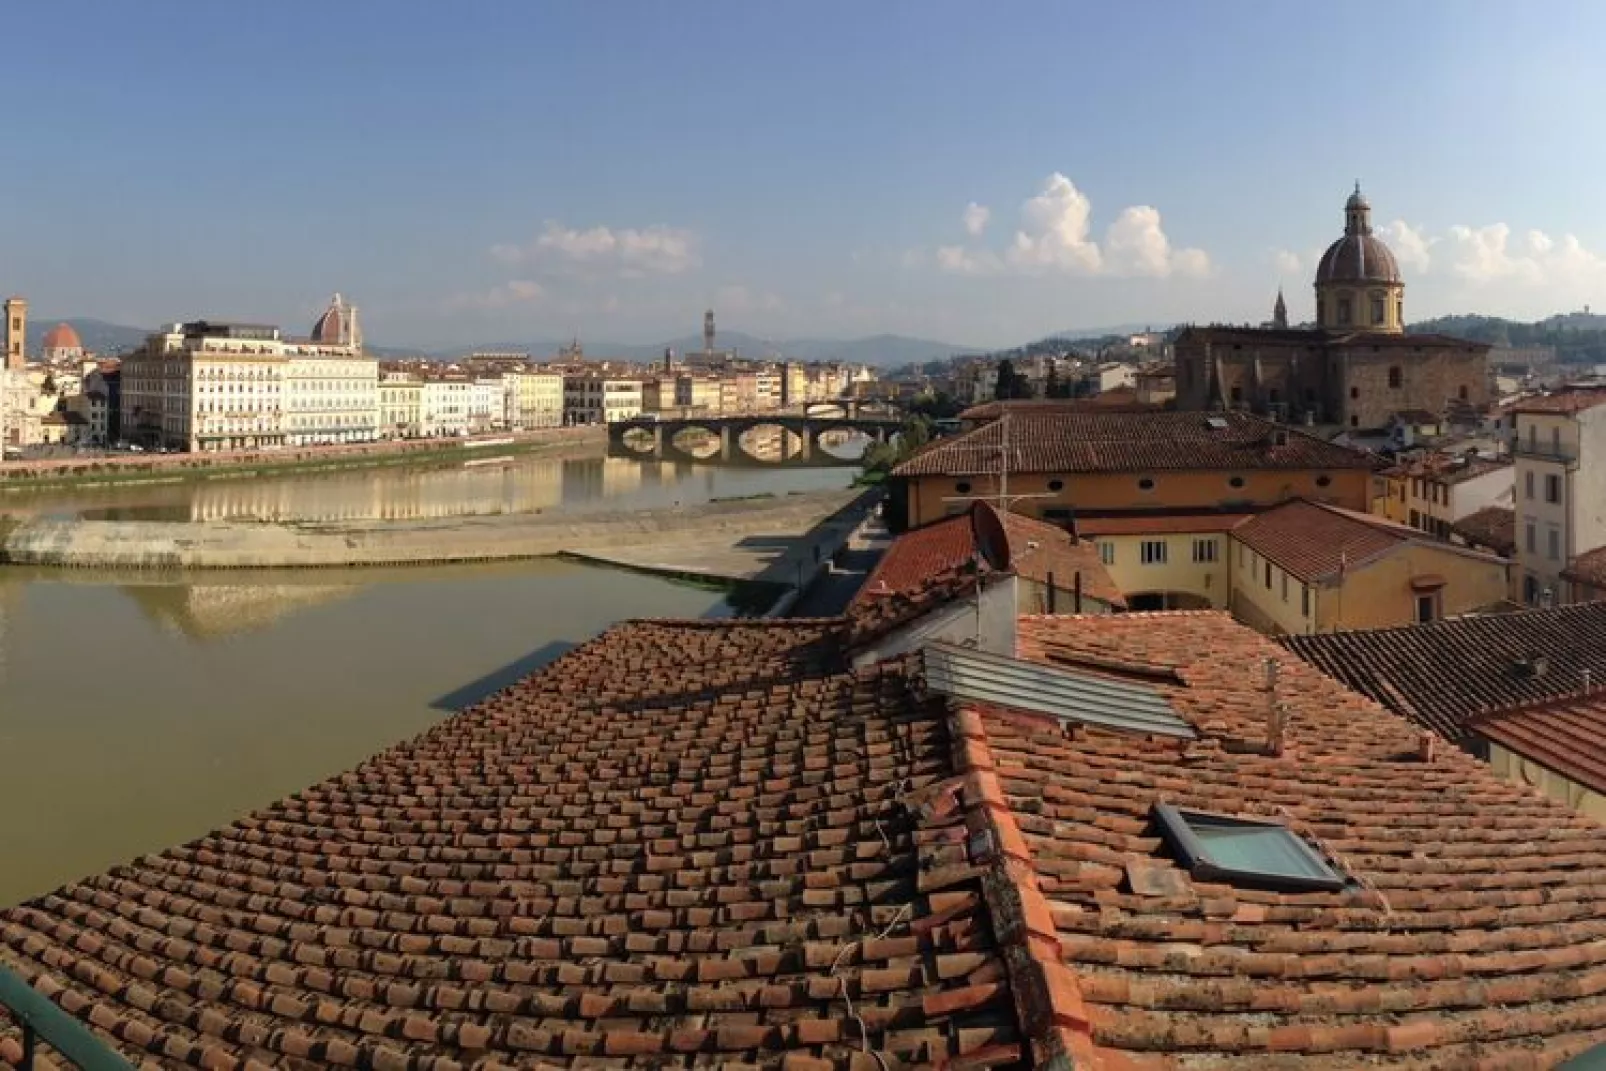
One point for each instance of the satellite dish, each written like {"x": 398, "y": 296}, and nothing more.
{"x": 992, "y": 542}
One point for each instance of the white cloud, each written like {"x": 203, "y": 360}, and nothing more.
{"x": 1287, "y": 262}
{"x": 1410, "y": 244}
{"x": 1055, "y": 236}
{"x": 625, "y": 251}
{"x": 512, "y": 292}
{"x": 975, "y": 218}
{"x": 1137, "y": 245}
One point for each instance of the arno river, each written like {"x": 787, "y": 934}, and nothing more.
{"x": 140, "y": 711}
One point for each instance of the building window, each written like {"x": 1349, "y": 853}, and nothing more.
{"x": 1237, "y": 395}
{"x": 1056, "y": 485}
{"x": 1552, "y": 488}
{"x": 1285, "y": 587}
{"x": 1354, "y": 421}
{"x": 1416, "y": 519}
{"x": 1461, "y": 392}
{"x": 1377, "y": 310}
{"x": 1304, "y": 600}
{"x": 1354, "y": 393}
{"x": 1153, "y": 552}
{"x": 1243, "y": 554}
{"x": 1344, "y": 314}
{"x": 1395, "y": 376}
{"x": 1204, "y": 550}
{"x": 1427, "y": 608}
{"x": 1106, "y": 552}
{"x": 1268, "y": 576}
{"x": 1531, "y": 537}
{"x": 1528, "y": 485}
{"x": 1145, "y": 484}
{"x": 963, "y": 487}
{"x": 1242, "y": 851}
{"x": 1235, "y": 482}
{"x": 1324, "y": 481}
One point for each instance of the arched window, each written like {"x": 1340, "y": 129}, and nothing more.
{"x": 1344, "y": 312}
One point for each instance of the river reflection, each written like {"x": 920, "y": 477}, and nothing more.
{"x": 138, "y": 712}
{"x": 526, "y": 484}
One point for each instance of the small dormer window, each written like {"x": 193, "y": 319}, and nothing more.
{"x": 1244, "y": 851}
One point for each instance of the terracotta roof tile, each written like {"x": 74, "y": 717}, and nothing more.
{"x": 1471, "y": 932}
{"x": 1441, "y": 674}
{"x": 1494, "y": 527}
{"x": 1037, "y": 550}
{"x": 1158, "y": 523}
{"x": 1313, "y": 542}
{"x": 700, "y": 844}
{"x": 1131, "y": 442}
{"x": 1567, "y": 735}
{"x": 681, "y": 844}
{"x": 1123, "y": 399}
{"x": 1564, "y": 401}
{"x": 1588, "y": 568}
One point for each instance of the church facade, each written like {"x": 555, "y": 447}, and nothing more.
{"x": 1355, "y": 368}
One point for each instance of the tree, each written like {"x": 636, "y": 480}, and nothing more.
{"x": 1055, "y": 387}
{"x": 1011, "y": 384}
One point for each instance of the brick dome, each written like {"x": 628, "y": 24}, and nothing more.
{"x": 61, "y": 337}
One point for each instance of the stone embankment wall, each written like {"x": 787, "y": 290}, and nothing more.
{"x": 123, "y": 467}
{"x": 235, "y": 545}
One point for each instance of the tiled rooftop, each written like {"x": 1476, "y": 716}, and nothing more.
{"x": 1444, "y": 469}
{"x": 1441, "y": 674}
{"x": 1037, "y": 550}
{"x": 1122, "y": 398}
{"x": 1158, "y": 523}
{"x": 1313, "y": 541}
{"x": 1564, "y": 401}
{"x": 1492, "y": 526}
{"x": 1588, "y": 568}
{"x": 1567, "y": 735}
{"x": 1087, "y": 442}
{"x": 711, "y": 844}
{"x": 1470, "y": 935}
{"x": 680, "y": 845}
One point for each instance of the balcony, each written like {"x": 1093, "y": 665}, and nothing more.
{"x": 1534, "y": 451}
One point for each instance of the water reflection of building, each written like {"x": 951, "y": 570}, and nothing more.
{"x": 399, "y": 494}
{"x": 208, "y": 611}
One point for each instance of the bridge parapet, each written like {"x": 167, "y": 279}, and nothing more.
{"x": 656, "y": 439}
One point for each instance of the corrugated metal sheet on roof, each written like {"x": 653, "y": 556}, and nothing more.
{"x": 968, "y": 675}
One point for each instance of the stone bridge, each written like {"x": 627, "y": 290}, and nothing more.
{"x": 656, "y": 439}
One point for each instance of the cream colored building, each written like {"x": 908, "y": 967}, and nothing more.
{"x": 401, "y": 405}
{"x": 445, "y": 403}
{"x": 206, "y": 386}
{"x": 535, "y": 399}
{"x": 329, "y": 396}
{"x": 1306, "y": 568}
{"x": 1560, "y": 451}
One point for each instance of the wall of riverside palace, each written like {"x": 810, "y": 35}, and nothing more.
{"x": 934, "y": 497}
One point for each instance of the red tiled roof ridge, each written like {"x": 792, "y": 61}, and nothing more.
{"x": 1048, "y": 999}
{"x": 1594, "y": 694}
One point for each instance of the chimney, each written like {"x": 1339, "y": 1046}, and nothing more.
{"x": 1274, "y": 710}
{"x": 1586, "y": 676}
{"x": 1426, "y": 744}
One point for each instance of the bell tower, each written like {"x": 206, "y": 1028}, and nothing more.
{"x": 16, "y": 333}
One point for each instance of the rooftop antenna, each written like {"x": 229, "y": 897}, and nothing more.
{"x": 1002, "y": 499}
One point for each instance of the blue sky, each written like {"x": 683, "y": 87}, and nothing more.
{"x": 504, "y": 171}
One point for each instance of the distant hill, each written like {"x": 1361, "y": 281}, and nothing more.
{"x": 881, "y": 351}
{"x": 1578, "y": 337}
{"x": 98, "y": 336}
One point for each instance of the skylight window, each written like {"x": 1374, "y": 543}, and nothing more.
{"x": 1243, "y": 851}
